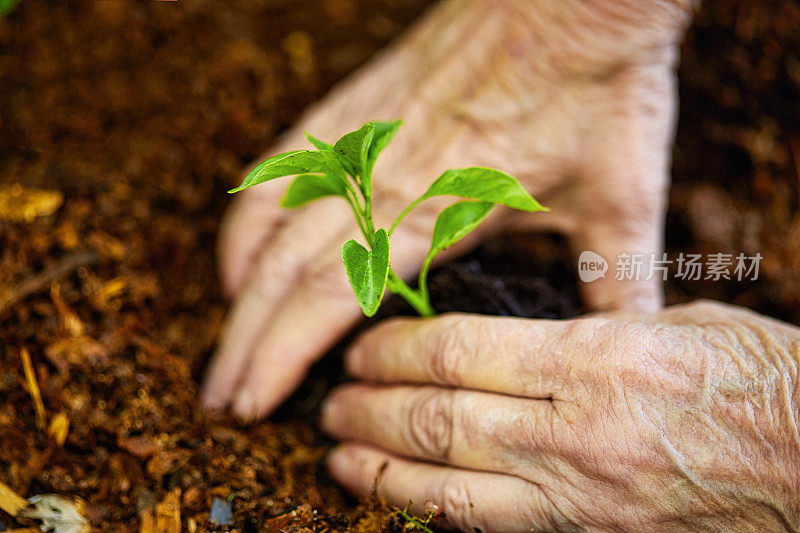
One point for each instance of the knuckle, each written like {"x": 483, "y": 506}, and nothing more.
{"x": 629, "y": 214}
{"x": 641, "y": 192}
{"x": 595, "y": 334}
{"x": 626, "y": 348}
{"x": 275, "y": 268}
{"x": 706, "y": 308}
{"x": 540, "y": 510}
{"x": 456, "y": 503}
{"x": 449, "y": 350}
{"x": 431, "y": 424}
{"x": 329, "y": 281}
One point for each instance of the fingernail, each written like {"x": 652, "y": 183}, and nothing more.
{"x": 329, "y": 416}
{"x": 207, "y": 399}
{"x": 353, "y": 359}
{"x": 245, "y": 407}
{"x": 210, "y": 396}
{"x": 209, "y": 402}
{"x": 339, "y": 462}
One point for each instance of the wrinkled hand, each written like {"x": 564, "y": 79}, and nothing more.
{"x": 684, "y": 419}
{"x": 571, "y": 98}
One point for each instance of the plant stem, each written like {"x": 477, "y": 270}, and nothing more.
{"x": 422, "y": 282}
{"x": 419, "y": 302}
{"x": 352, "y": 192}
{"x": 370, "y": 227}
{"x": 366, "y": 189}
{"x": 417, "y": 524}
{"x": 406, "y": 211}
{"x": 357, "y": 213}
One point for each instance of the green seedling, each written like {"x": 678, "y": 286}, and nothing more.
{"x": 344, "y": 169}
{"x": 6, "y": 6}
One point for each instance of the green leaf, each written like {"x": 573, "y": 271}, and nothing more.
{"x": 368, "y": 270}
{"x": 320, "y": 145}
{"x": 353, "y": 149}
{"x": 308, "y": 187}
{"x": 333, "y": 166}
{"x": 287, "y": 164}
{"x": 484, "y": 184}
{"x": 455, "y": 222}
{"x": 384, "y": 133}
{"x": 7, "y": 5}
{"x": 358, "y": 150}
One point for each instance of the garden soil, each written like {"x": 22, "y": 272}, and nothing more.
{"x": 122, "y": 124}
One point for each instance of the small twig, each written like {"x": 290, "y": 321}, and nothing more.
{"x": 379, "y": 477}
{"x": 9, "y": 297}
{"x": 11, "y": 502}
{"x": 33, "y": 389}
{"x": 416, "y": 522}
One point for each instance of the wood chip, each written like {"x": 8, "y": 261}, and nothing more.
{"x": 11, "y": 502}
{"x": 165, "y": 517}
{"x": 18, "y": 204}
{"x": 12, "y": 295}
{"x": 59, "y": 429}
{"x": 147, "y": 521}
{"x": 33, "y": 389}
{"x": 74, "y": 351}
{"x": 69, "y": 319}
{"x": 303, "y": 514}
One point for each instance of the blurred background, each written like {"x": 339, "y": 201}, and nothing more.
{"x": 121, "y": 126}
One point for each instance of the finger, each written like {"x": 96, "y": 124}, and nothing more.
{"x": 311, "y": 320}
{"x": 248, "y": 223}
{"x": 633, "y": 149}
{"x": 522, "y": 357}
{"x": 253, "y": 217}
{"x": 629, "y": 247}
{"x": 470, "y": 501}
{"x": 475, "y": 430}
{"x": 318, "y": 311}
{"x": 278, "y": 270}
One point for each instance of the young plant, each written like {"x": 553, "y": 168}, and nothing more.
{"x": 6, "y": 6}
{"x": 345, "y": 170}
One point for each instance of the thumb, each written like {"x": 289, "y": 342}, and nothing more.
{"x": 626, "y": 191}
{"x": 620, "y": 264}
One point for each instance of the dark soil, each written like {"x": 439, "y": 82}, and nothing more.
{"x": 142, "y": 114}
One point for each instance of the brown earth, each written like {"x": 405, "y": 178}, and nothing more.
{"x": 137, "y": 116}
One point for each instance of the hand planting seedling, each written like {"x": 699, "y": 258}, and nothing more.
{"x": 345, "y": 170}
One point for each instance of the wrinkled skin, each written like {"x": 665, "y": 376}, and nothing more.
{"x": 574, "y": 98}
{"x": 633, "y": 420}
{"x": 684, "y": 419}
